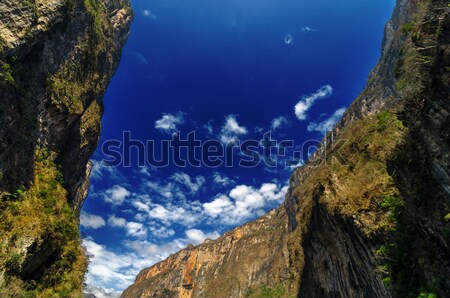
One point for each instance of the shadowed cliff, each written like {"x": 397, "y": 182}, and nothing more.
{"x": 56, "y": 60}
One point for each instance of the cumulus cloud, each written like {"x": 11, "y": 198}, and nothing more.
{"x": 169, "y": 122}
{"x": 100, "y": 292}
{"x": 196, "y": 236}
{"x": 279, "y": 123}
{"x": 184, "y": 214}
{"x": 244, "y": 203}
{"x": 91, "y": 221}
{"x": 116, "y": 269}
{"x": 305, "y": 103}
{"x": 114, "y": 221}
{"x": 108, "y": 268}
{"x": 327, "y": 124}
{"x": 116, "y": 195}
{"x": 136, "y": 229}
{"x": 162, "y": 232}
{"x": 231, "y": 130}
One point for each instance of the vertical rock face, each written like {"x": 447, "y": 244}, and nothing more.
{"x": 368, "y": 217}
{"x": 56, "y": 60}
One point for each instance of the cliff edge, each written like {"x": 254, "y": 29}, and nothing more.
{"x": 56, "y": 60}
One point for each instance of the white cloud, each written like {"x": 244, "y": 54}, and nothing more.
{"x": 136, "y": 229}
{"x": 327, "y": 124}
{"x": 100, "y": 292}
{"x": 187, "y": 214}
{"x": 162, "y": 232}
{"x": 222, "y": 180}
{"x": 108, "y": 268}
{"x": 307, "y": 101}
{"x": 117, "y": 269}
{"x": 244, "y": 203}
{"x": 116, "y": 195}
{"x": 231, "y": 130}
{"x": 185, "y": 179}
{"x": 279, "y": 122}
{"x": 114, "y": 221}
{"x": 169, "y": 122}
{"x": 196, "y": 236}
{"x": 218, "y": 205}
{"x": 91, "y": 221}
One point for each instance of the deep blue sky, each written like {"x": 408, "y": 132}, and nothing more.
{"x": 206, "y": 62}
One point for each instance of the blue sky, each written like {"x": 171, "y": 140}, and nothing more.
{"x": 226, "y": 69}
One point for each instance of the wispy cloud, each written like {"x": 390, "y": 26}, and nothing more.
{"x": 279, "y": 123}
{"x": 169, "y": 122}
{"x": 327, "y": 124}
{"x": 209, "y": 127}
{"x": 141, "y": 58}
{"x": 91, "y": 221}
{"x": 231, "y": 130}
{"x": 222, "y": 179}
{"x": 192, "y": 185}
{"x": 305, "y": 103}
{"x": 148, "y": 14}
{"x": 307, "y": 29}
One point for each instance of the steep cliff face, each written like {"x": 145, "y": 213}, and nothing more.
{"x": 368, "y": 217}
{"x": 245, "y": 257}
{"x": 56, "y": 60}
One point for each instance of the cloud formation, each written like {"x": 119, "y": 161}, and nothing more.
{"x": 279, "y": 123}
{"x": 305, "y": 103}
{"x": 116, "y": 195}
{"x": 222, "y": 180}
{"x": 91, "y": 221}
{"x": 231, "y": 130}
{"x": 169, "y": 123}
{"x": 327, "y": 124}
{"x": 244, "y": 203}
{"x": 196, "y": 236}
{"x": 185, "y": 180}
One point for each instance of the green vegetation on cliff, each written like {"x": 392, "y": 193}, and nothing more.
{"x": 40, "y": 219}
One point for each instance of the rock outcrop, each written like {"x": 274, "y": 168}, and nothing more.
{"x": 368, "y": 217}
{"x": 56, "y": 60}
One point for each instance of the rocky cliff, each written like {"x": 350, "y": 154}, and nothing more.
{"x": 56, "y": 60}
{"x": 366, "y": 217}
